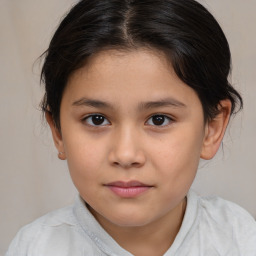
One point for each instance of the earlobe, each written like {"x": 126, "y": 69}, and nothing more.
{"x": 56, "y": 135}
{"x": 215, "y": 130}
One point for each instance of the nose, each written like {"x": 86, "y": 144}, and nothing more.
{"x": 127, "y": 149}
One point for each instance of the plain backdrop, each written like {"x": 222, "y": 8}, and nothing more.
{"x": 32, "y": 179}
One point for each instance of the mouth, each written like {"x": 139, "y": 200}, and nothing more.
{"x": 128, "y": 189}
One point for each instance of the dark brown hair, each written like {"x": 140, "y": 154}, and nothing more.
{"x": 184, "y": 30}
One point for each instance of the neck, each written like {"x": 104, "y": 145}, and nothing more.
{"x": 154, "y": 238}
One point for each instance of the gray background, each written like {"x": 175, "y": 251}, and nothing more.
{"x": 33, "y": 181}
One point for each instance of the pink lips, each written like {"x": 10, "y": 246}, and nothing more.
{"x": 128, "y": 189}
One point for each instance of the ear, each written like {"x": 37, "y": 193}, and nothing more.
{"x": 215, "y": 130}
{"x": 56, "y": 135}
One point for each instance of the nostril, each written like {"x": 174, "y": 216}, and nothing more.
{"x": 136, "y": 164}
{"x": 127, "y": 165}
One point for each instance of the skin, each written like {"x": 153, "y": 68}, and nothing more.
{"x": 128, "y": 145}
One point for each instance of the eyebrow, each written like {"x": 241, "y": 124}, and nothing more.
{"x": 168, "y": 102}
{"x": 143, "y": 105}
{"x": 92, "y": 103}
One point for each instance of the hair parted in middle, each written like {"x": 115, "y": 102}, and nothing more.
{"x": 183, "y": 30}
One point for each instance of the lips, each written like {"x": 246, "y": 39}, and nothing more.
{"x": 128, "y": 184}
{"x": 128, "y": 189}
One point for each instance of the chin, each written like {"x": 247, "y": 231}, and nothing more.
{"x": 131, "y": 221}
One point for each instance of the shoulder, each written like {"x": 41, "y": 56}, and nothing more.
{"x": 29, "y": 234}
{"x": 55, "y": 218}
{"x": 222, "y": 210}
{"x": 53, "y": 234}
{"x": 227, "y": 223}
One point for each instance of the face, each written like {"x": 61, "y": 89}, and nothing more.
{"x": 132, "y": 133}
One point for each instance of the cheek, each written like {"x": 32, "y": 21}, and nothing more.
{"x": 177, "y": 171}
{"x": 178, "y": 157}
{"x": 85, "y": 158}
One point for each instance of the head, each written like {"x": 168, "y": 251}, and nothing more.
{"x": 115, "y": 70}
{"x": 187, "y": 34}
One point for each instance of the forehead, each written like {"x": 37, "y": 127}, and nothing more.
{"x": 127, "y": 77}
{"x": 112, "y": 62}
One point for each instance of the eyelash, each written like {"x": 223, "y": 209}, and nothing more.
{"x": 85, "y": 120}
{"x": 165, "y": 117}
{"x": 102, "y": 117}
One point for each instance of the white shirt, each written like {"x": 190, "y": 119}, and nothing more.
{"x": 211, "y": 226}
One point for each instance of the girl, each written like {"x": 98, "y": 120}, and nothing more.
{"x": 136, "y": 92}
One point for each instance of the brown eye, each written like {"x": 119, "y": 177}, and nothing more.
{"x": 159, "y": 120}
{"x": 96, "y": 120}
